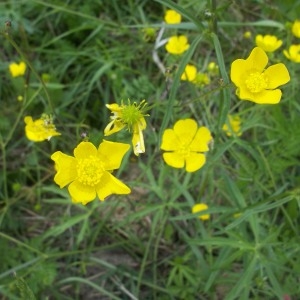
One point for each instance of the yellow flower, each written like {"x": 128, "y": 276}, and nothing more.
{"x": 177, "y": 44}
{"x": 40, "y": 129}
{"x": 185, "y": 144}
{"x": 189, "y": 73}
{"x": 296, "y": 28}
{"x": 172, "y": 17}
{"x": 17, "y": 69}
{"x": 88, "y": 173}
{"x": 131, "y": 116}
{"x": 268, "y": 43}
{"x": 233, "y": 126}
{"x": 201, "y": 207}
{"x": 254, "y": 82}
{"x": 247, "y": 34}
{"x": 293, "y": 53}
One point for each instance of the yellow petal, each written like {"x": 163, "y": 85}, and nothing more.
{"x": 113, "y": 127}
{"x": 81, "y": 193}
{"x": 111, "y": 185}
{"x": 185, "y": 130}
{"x": 173, "y": 159}
{"x": 112, "y": 154}
{"x": 267, "y": 97}
{"x": 194, "y": 162}
{"x": 257, "y": 59}
{"x": 66, "y": 168}
{"x": 278, "y": 75}
{"x": 237, "y": 71}
{"x": 85, "y": 150}
{"x": 138, "y": 142}
{"x": 114, "y": 107}
{"x": 201, "y": 140}
{"x": 170, "y": 141}
{"x": 200, "y": 207}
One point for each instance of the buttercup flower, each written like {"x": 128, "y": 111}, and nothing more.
{"x": 172, "y": 17}
{"x": 185, "y": 144}
{"x": 17, "y": 69}
{"x": 254, "y": 82}
{"x": 40, "y": 129}
{"x": 293, "y": 53}
{"x": 189, "y": 73}
{"x": 268, "y": 43}
{"x": 177, "y": 44}
{"x": 201, "y": 207}
{"x": 233, "y": 126}
{"x": 296, "y": 28}
{"x": 88, "y": 173}
{"x": 131, "y": 116}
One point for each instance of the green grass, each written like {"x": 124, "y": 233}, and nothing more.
{"x": 148, "y": 244}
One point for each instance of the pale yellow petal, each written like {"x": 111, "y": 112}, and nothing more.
{"x": 113, "y": 127}
{"x": 138, "y": 141}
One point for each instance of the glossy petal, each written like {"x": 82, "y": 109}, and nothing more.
{"x": 194, "y": 162}
{"x": 201, "y": 140}
{"x": 66, "y": 168}
{"x": 237, "y": 71}
{"x": 267, "y": 97}
{"x": 81, "y": 193}
{"x": 112, "y": 154}
{"x": 174, "y": 159}
{"x": 111, "y": 185}
{"x": 257, "y": 60}
{"x": 170, "y": 141}
{"x": 278, "y": 75}
{"x": 85, "y": 150}
{"x": 185, "y": 130}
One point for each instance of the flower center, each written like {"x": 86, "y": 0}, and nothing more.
{"x": 256, "y": 82}
{"x": 131, "y": 115}
{"x": 90, "y": 170}
{"x": 184, "y": 151}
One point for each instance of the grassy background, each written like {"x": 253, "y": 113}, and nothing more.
{"x": 147, "y": 245}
